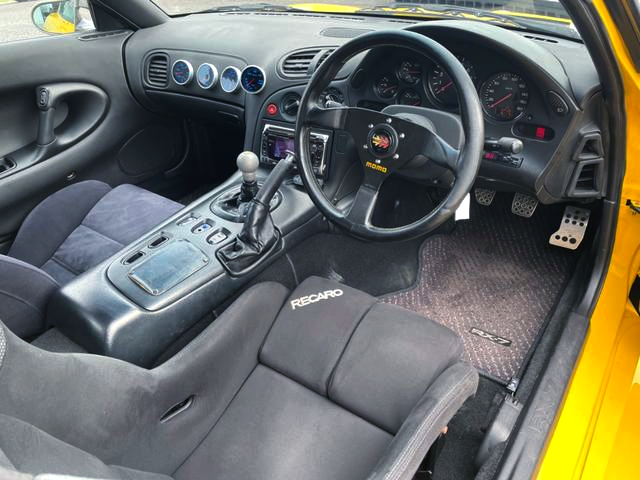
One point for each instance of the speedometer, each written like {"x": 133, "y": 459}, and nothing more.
{"x": 252, "y": 79}
{"x": 441, "y": 86}
{"x": 504, "y": 96}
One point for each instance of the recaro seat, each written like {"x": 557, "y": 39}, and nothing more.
{"x": 321, "y": 383}
{"x": 69, "y": 232}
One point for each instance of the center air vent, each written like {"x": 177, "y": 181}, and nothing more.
{"x": 303, "y": 62}
{"x": 158, "y": 70}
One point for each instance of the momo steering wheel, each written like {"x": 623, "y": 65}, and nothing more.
{"x": 388, "y": 143}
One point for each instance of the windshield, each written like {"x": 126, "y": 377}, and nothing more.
{"x": 537, "y": 15}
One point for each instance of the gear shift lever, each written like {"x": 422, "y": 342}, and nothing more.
{"x": 248, "y": 164}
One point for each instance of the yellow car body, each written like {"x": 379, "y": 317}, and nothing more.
{"x": 597, "y": 431}
{"x": 56, "y": 23}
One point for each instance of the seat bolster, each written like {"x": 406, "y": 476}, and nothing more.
{"x": 425, "y": 422}
{"x": 53, "y": 220}
{"x": 24, "y": 293}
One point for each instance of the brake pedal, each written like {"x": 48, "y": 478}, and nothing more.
{"x": 572, "y": 228}
{"x": 484, "y": 197}
{"x": 523, "y": 205}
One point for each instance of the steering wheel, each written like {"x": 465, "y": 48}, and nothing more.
{"x": 387, "y": 143}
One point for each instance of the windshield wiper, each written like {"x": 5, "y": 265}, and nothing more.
{"x": 251, "y": 7}
{"x": 427, "y": 10}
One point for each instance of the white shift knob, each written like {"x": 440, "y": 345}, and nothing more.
{"x": 248, "y": 164}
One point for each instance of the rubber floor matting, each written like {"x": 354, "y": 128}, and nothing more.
{"x": 496, "y": 274}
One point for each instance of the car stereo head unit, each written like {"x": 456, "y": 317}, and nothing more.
{"x": 277, "y": 141}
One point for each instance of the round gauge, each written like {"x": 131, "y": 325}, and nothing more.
{"x": 331, "y": 94}
{"x": 252, "y": 79}
{"x": 504, "y": 96}
{"x": 386, "y": 87}
{"x": 207, "y": 76}
{"x": 230, "y": 79}
{"x": 410, "y": 97}
{"x": 182, "y": 72}
{"x": 441, "y": 86}
{"x": 410, "y": 72}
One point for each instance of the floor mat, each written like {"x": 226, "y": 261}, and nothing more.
{"x": 493, "y": 280}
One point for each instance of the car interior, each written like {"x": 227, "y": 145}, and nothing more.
{"x": 252, "y": 243}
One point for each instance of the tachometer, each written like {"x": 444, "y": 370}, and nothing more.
{"x": 441, "y": 86}
{"x": 253, "y": 79}
{"x": 410, "y": 97}
{"x": 230, "y": 79}
{"x": 504, "y": 96}
{"x": 207, "y": 76}
{"x": 182, "y": 72}
{"x": 386, "y": 87}
{"x": 410, "y": 72}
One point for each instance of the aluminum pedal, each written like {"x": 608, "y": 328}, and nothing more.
{"x": 484, "y": 197}
{"x": 572, "y": 228}
{"x": 523, "y": 205}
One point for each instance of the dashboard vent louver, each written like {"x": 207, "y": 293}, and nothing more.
{"x": 297, "y": 64}
{"x": 588, "y": 178}
{"x": 158, "y": 70}
{"x": 303, "y": 63}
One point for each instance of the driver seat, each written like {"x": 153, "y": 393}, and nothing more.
{"x": 324, "y": 382}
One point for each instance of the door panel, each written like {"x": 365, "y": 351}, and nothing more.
{"x": 89, "y": 126}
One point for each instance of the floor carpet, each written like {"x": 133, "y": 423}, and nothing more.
{"x": 493, "y": 280}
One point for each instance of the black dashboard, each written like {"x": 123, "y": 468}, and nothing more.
{"x": 249, "y": 69}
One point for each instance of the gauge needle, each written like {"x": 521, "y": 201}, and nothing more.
{"x": 445, "y": 87}
{"x": 503, "y": 99}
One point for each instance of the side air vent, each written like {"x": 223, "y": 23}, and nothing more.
{"x": 587, "y": 180}
{"x": 303, "y": 63}
{"x": 157, "y": 73}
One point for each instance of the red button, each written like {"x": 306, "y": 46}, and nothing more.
{"x": 541, "y": 132}
{"x": 272, "y": 109}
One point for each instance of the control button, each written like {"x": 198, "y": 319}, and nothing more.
{"x": 192, "y": 217}
{"x": 558, "y": 105}
{"x": 203, "y": 226}
{"x": 219, "y": 236}
{"x": 43, "y": 97}
{"x": 272, "y": 109}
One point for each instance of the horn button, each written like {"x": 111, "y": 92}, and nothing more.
{"x": 382, "y": 141}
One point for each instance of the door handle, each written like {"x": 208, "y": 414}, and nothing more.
{"x": 86, "y": 105}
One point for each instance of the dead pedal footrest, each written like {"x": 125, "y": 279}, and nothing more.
{"x": 523, "y": 205}
{"x": 484, "y": 197}
{"x": 572, "y": 228}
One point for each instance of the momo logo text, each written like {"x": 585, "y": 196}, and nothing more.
{"x": 315, "y": 297}
{"x": 374, "y": 166}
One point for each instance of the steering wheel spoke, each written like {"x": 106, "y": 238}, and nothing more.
{"x": 364, "y": 203}
{"x": 440, "y": 152}
{"x": 336, "y": 118}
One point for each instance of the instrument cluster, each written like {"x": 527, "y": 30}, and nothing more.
{"x": 504, "y": 94}
{"x": 252, "y": 79}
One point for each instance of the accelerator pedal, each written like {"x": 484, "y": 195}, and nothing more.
{"x": 523, "y": 205}
{"x": 484, "y": 197}
{"x": 572, "y": 228}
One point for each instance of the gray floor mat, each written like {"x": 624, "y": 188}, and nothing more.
{"x": 496, "y": 273}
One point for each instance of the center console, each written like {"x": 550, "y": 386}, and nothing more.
{"x": 139, "y": 302}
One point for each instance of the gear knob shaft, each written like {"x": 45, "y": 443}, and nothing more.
{"x": 248, "y": 164}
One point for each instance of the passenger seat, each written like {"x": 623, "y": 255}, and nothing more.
{"x": 68, "y": 233}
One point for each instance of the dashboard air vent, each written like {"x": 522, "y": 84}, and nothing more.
{"x": 588, "y": 178}
{"x": 297, "y": 63}
{"x": 158, "y": 70}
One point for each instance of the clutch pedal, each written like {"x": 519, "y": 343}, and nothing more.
{"x": 572, "y": 228}
{"x": 484, "y": 197}
{"x": 523, "y": 205}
